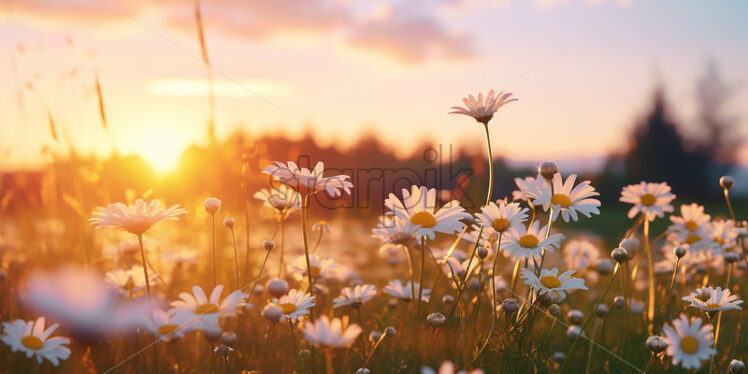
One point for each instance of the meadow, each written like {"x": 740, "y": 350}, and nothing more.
{"x": 281, "y": 280}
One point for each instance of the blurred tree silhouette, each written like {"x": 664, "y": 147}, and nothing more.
{"x": 721, "y": 139}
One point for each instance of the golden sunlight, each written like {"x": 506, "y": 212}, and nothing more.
{"x": 161, "y": 148}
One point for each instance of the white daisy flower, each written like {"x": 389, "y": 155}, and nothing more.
{"x": 692, "y": 220}
{"x": 651, "y": 199}
{"x": 282, "y": 198}
{"x": 580, "y": 254}
{"x": 711, "y": 300}
{"x": 530, "y": 188}
{"x": 483, "y": 111}
{"x": 568, "y": 199}
{"x": 355, "y": 296}
{"x": 320, "y": 268}
{"x": 501, "y": 217}
{"x": 326, "y": 333}
{"x": 171, "y": 327}
{"x": 394, "y": 233}
{"x": 551, "y": 281}
{"x": 129, "y": 282}
{"x": 529, "y": 242}
{"x": 419, "y": 206}
{"x": 307, "y": 181}
{"x": 295, "y": 304}
{"x": 448, "y": 367}
{"x": 135, "y": 218}
{"x": 197, "y": 305}
{"x": 33, "y": 340}
{"x": 724, "y": 234}
{"x": 697, "y": 241}
{"x": 689, "y": 343}
{"x": 403, "y": 291}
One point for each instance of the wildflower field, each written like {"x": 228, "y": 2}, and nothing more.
{"x": 135, "y": 238}
{"x": 255, "y": 284}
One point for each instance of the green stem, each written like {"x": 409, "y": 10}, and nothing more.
{"x": 490, "y": 165}
{"x": 650, "y": 268}
{"x": 493, "y": 301}
{"x": 213, "y": 238}
{"x": 145, "y": 265}
{"x": 236, "y": 258}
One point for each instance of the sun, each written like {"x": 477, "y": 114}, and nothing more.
{"x": 161, "y": 149}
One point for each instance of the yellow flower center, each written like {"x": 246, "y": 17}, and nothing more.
{"x": 692, "y": 239}
{"x": 167, "y": 329}
{"x": 315, "y": 271}
{"x": 689, "y": 345}
{"x": 130, "y": 284}
{"x": 561, "y": 199}
{"x": 719, "y": 241}
{"x": 648, "y": 199}
{"x": 549, "y": 281}
{"x": 528, "y": 241}
{"x": 692, "y": 226}
{"x": 501, "y": 224}
{"x": 207, "y": 309}
{"x": 288, "y": 308}
{"x": 32, "y": 342}
{"x": 713, "y": 306}
{"x": 425, "y": 219}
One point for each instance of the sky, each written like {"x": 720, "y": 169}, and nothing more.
{"x": 583, "y": 71}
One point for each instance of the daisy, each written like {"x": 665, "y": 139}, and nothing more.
{"x": 134, "y": 218}
{"x": 501, "y": 217}
{"x": 355, "y": 296}
{"x": 651, "y": 199}
{"x": 306, "y": 181}
{"x": 295, "y": 304}
{"x": 528, "y": 242}
{"x": 580, "y": 254}
{"x": 724, "y": 234}
{"x": 198, "y": 306}
{"x": 320, "y": 268}
{"x": 550, "y": 281}
{"x": 712, "y": 300}
{"x": 461, "y": 270}
{"x": 419, "y": 206}
{"x": 403, "y": 291}
{"x": 394, "y": 233}
{"x": 170, "y": 327}
{"x": 689, "y": 343}
{"x": 489, "y": 238}
{"x": 32, "y": 339}
{"x": 129, "y": 282}
{"x": 692, "y": 219}
{"x": 530, "y": 188}
{"x": 568, "y": 199}
{"x": 483, "y": 111}
{"x": 328, "y": 334}
{"x": 282, "y": 199}
{"x": 448, "y": 367}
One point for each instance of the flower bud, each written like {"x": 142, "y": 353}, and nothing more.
{"x": 656, "y": 344}
{"x": 619, "y": 302}
{"x": 559, "y": 357}
{"x": 548, "y": 170}
{"x": 228, "y": 339}
{"x": 390, "y": 332}
{"x": 575, "y": 316}
{"x": 737, "y": 367}
{"x": 727, "y": 182}
{"x": 679, "y": 251}
{"x": 277, "y": 287}
{"x": 374, "y": 335}
{"x": 731, "y": 257}
{"x": 604, "y": 266}
{"x": 621, "y": 255}
{"x": 448, "y": 299}
{"x": 363, "y": 371}
{"x": 510, "y": 305}
{"x": 482, "y": 253}
{"x": 549, "y": 298}
{"x": 223, "y": 350}
{"x": 229, "y": 223}
{"x": 630, "y": 244}
{"x": 554, "y": 310}
{"x": 268, "y": 245}
{"x": 305, "y": 354}
{"x": 602, "y": 310}
{"x": 573, "y": 332}
{"x": 272, "y": 313}
{"x": 436, "y": 320}
{"x": 212, "y": 205}
{"x": 212, "y": 336}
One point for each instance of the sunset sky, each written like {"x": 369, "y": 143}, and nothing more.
{"x": 583, "y": 71}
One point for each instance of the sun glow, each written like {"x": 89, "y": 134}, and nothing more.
{"x": 161, "y": 148}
